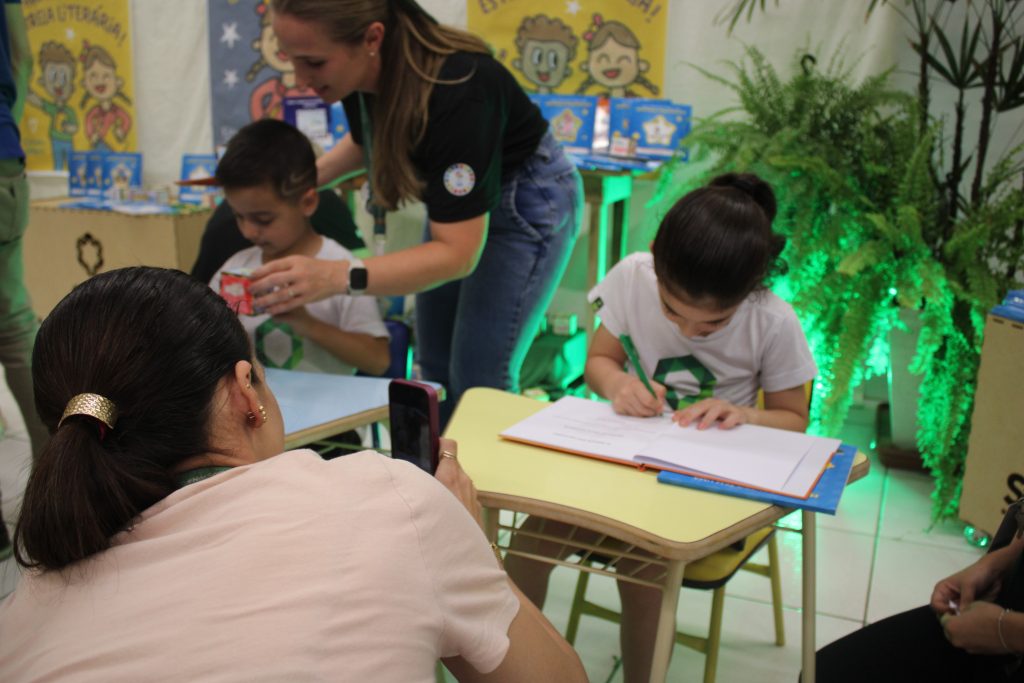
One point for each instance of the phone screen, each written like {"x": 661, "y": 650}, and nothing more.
{"x": 414, "y": 430}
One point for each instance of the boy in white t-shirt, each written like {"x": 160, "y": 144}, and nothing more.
{"x": 708, "y": 335}
{"x": 268, "y": 173}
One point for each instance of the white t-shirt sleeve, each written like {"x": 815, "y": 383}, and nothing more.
{"x": 471, "y": 591}
{"x": 609, "y": 295}
{"x": 360, "y": 314}
{"x": 787, "y": 361}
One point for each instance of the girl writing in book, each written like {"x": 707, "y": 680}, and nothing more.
{"x": 708, "y": 334}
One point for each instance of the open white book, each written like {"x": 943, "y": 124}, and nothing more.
{"x": 774, "y": 460}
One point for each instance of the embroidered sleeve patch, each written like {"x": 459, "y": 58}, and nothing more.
{"x": 459, "y": 179}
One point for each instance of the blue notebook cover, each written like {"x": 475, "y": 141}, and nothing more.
{"x": 78, "y": 174}
{"x": 197, "y": 167}
{"x": 339, "y": 122}
{"x": 656, "y": 126}
{"x": 1012, "y": 306}
{"x": 824, "y": 498}
{"x": 571, "y": 118}
{"x": 121, "y": 171}
{"x": 312, "y": 116}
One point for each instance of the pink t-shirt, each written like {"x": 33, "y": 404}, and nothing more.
{"x": 362, "y": 568}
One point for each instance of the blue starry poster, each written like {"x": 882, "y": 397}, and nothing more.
{"x": 249, "y": 75}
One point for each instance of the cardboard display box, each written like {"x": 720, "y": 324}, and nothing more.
{"x": 64, "y": 247}
{"x": 994, "y": 475}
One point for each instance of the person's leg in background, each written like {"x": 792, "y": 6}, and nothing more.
{"x": 17, "y": 321}
{"x": 500, "y": 305}
{"x": 435, "y": 321}
{"x": 909, "y": 646}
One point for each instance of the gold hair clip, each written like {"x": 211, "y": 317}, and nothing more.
{"x": 93, "y": 405}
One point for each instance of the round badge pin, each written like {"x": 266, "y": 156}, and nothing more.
{"x": 459, "y": 179}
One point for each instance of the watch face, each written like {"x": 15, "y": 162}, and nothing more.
{"x": 357, "y": 279}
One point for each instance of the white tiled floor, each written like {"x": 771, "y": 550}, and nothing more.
{"x": 877, "y": 557}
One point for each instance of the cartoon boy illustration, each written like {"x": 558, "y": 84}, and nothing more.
{"x": 546, "y": 47}
{"x": 57, "y": 76}
{"x": 101, "y": 82}
{"x": 614, "y": 60}
{"x": 267, "y": 98}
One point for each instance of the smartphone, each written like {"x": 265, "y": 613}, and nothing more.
{"x": 415, "y": 434}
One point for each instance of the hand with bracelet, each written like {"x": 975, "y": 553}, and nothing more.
{"x": 963, "y": 603}
{"x": 978, "y": 634}
{"x": 983, "y": 628}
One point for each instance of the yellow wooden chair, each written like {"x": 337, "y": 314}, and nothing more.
{"x": 710, "y": 573}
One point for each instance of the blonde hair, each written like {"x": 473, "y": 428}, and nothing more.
{"x": 414, "y": 48}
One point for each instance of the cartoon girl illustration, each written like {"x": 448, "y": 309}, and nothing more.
{"x": 267, "y": 98}
{"x": 614, "y": 60}
{"x": 57, "y": 76}
{"x": 546, "y": 47}
{"x": 101, "y": 82}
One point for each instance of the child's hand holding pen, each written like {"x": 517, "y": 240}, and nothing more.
{"x": 632, "y": 397}
{"x": 637, "y": 396}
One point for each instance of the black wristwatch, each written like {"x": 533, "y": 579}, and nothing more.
{"x": 357, "y": 279}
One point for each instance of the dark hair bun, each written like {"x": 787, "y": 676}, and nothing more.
{"x": 717, "y": 242}
{"x": 751, "y": 185}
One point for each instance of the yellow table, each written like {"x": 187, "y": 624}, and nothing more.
{"x": 679, "y": 525}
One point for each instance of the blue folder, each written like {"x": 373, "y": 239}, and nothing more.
{"x": 824, "y": 497}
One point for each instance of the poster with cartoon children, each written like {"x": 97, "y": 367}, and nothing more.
{"x": 249, "y": 75}
{"x": 80, "y": 92}
{"x": 614, "y": 48}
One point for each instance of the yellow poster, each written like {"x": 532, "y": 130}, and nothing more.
{"x": 81, "y": 92}
{"x": 587, "y": 47}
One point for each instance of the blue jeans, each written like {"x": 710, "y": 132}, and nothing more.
{"x": 475, "y": 332}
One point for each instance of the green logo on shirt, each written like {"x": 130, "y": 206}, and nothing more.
{"x": 277, "y": 345}
{"x": 705, "y": 379}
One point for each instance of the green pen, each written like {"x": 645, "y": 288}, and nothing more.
{"x": 634, "y": 359}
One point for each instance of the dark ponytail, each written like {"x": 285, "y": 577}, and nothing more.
{"x": 716, "y": 244}
{"x": 157, "y": 344}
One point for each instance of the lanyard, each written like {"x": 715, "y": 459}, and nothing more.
{"x": 380, "y": 228}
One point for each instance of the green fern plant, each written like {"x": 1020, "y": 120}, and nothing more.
{"x": 870, "y": 231}
{"x": 844, "y": 159}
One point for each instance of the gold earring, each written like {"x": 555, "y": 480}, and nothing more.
{"x": 263, "y": 414}
{"x": 250, "y": 417}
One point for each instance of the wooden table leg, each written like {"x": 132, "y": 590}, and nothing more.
{"x": 809, "y": 602}
{"x": 665, "y": 638}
